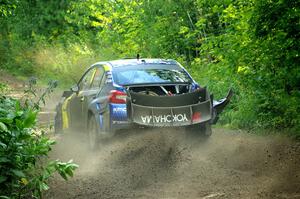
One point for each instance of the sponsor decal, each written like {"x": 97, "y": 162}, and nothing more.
{"x": 118, "y": 112}
{"x": 119, "y": 109}
{"x": 120, "y": 122}
{"x": 164, "y": 118}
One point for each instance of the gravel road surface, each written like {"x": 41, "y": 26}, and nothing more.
{"x": 170, "y": 164}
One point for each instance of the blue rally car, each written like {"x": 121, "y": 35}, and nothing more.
{"x": 127, "y": 93}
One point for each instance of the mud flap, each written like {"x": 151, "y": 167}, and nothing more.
{"x": 218, "y": 106}
{"x": 166, "y": 111}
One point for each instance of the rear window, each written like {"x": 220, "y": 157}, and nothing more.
{"x": 144, "y": 76}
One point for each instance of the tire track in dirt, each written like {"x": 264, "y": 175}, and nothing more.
{"x": 170, "y": 164}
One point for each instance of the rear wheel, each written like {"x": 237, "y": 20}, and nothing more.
{"x": 96, "y": 136}
{"x": 107, "y": 132}
{"x": 93, "y": 136}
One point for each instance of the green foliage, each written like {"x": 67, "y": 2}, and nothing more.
{"x": 3, "y": 88}
{"x": 22, "y": 151}
{"x": 252, "y": 46}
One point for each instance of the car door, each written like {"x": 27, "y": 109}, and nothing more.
{"x": 76, "y": 102}
{"x": 103, "y": 93}
{"x": 91, "y": 94}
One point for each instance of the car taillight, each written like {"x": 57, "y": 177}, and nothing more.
{"x": 196, "y": 117}
{"x": 117, "y": 97}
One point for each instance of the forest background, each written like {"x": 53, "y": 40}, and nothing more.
{"x": 251, "y": 46}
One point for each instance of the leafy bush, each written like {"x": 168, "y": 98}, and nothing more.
{"x": 24, "y": 170}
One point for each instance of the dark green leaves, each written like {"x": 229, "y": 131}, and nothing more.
{"x": 3, "y": 127}
{"x": 65, "y": 169}
{"x": 21, "y": 150}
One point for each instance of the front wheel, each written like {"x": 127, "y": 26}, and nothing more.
{"x": 93, "y": 136}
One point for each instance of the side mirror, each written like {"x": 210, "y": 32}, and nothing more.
{"x": 67, "y": 93}
{"x": 75, "y": 89}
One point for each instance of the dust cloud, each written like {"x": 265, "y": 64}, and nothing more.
{"x": 164, "y": 163}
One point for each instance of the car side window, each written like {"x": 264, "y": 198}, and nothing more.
{"x": 103, "y": 81}
{"x": 97, "y": 78}
{"x": 103, "y": 88}
{"x": 86, "y": 81}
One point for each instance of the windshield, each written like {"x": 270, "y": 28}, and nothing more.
{"x": 144, "y": 76}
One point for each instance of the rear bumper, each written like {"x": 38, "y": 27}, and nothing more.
{"x": 135, "y": 126}
{"x": 171, "y": 116}
{"x": 169, "y": 111}
{"x": 149, "y": 111}
{"x": 145, "y": 116}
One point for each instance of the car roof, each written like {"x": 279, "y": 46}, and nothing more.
{"x": 140, "y": 63}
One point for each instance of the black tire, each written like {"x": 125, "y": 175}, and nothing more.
{"x": 93, "y": 135}
{"x": 107, "y": 132}
{"x": 203, "y": 130}
{"x": 208, "y": 130}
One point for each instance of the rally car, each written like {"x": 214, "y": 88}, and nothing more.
{"x": 137, "y": 93}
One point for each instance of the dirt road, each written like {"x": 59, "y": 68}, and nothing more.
{"x": 168, "y": 164}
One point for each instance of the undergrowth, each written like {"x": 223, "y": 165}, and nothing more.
{"x": 24, "y": 165}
